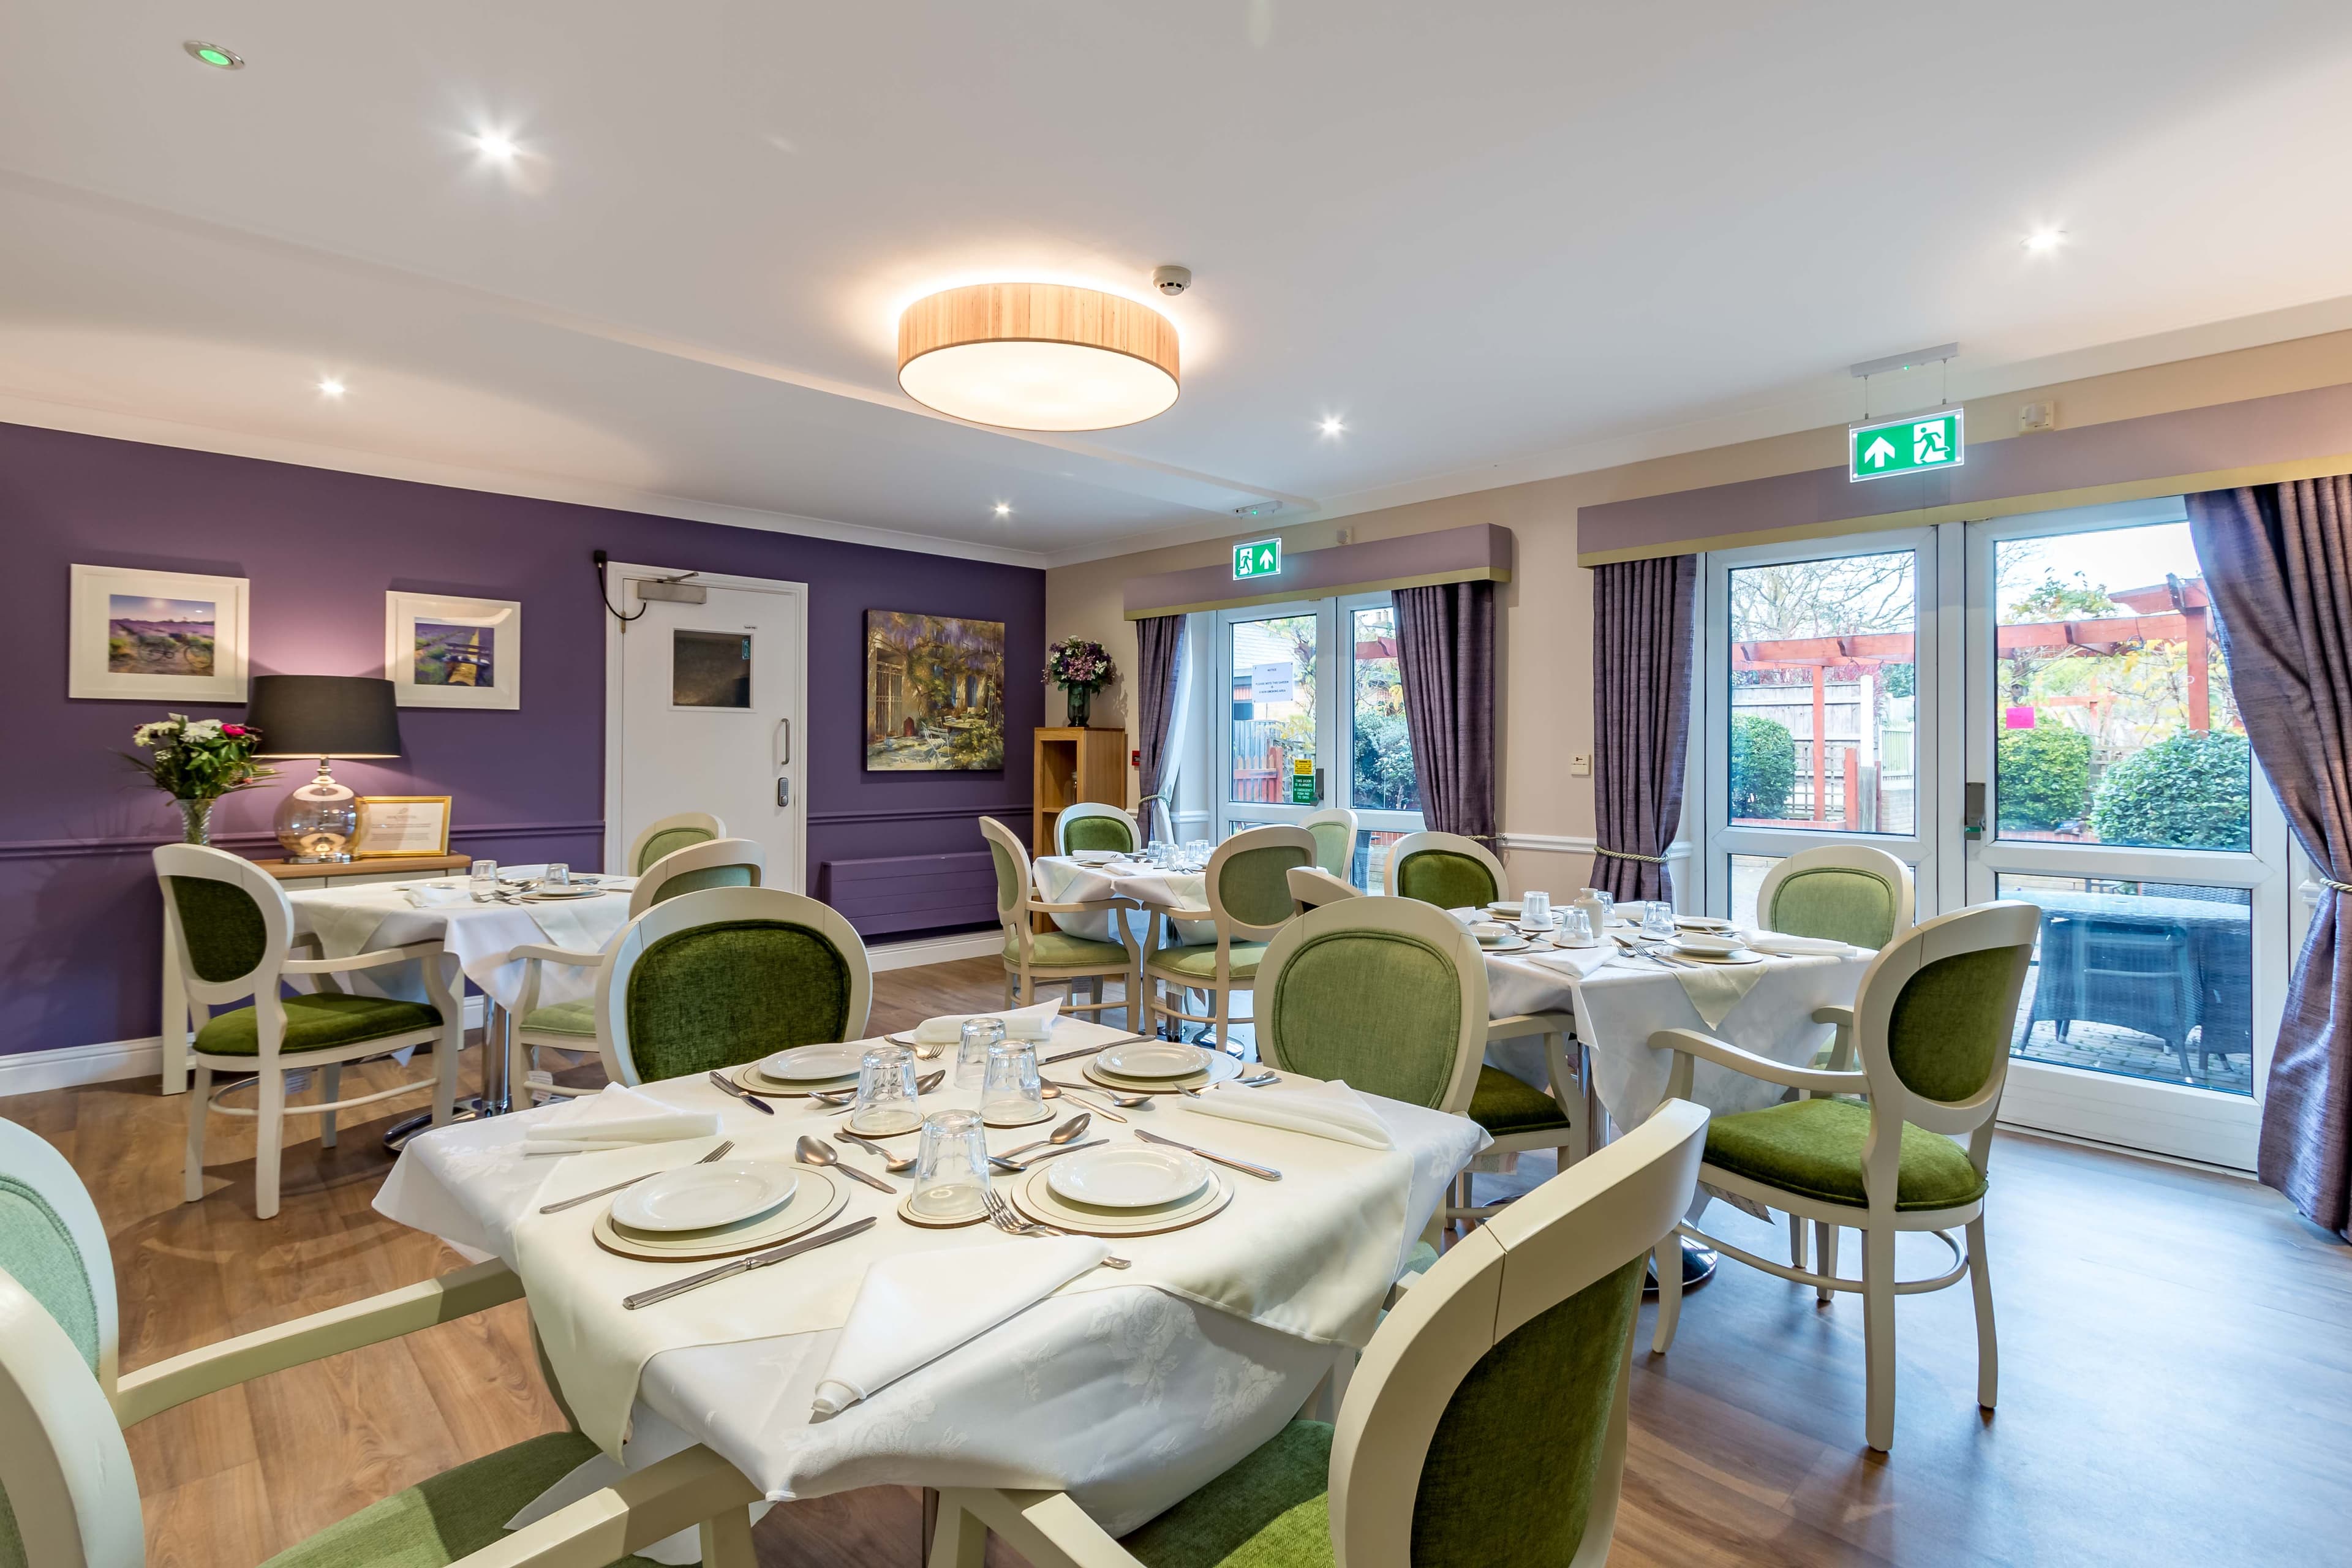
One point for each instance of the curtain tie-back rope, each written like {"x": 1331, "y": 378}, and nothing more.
{"x": 2339, "y": 886}
{"x": 1629, "y": 855}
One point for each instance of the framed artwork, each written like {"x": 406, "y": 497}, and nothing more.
{"x": 453, "y": 653}
{"x": 400, "y": 824}
{"x": 149, "y": 635}
{"x": 934, "y": 693}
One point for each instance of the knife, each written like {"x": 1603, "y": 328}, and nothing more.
{"x": 1001, "y": 1162}
{"x": 1267, "y": 1172}
{"x": 739, "y": 1092}
{"x": 745, "y": 1265}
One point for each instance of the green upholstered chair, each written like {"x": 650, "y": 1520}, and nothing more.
{"x": 668, "y": 836}
{"x": 230, "y": 929}
{"x": 1248, "y": 892}
{"x": 1485, "y": 1428}
{"x": 725, "y": 976}
{"x": 1932, "y": 1022}
{"x": 570, "y": 1027}
{"x": 67, "y": 1494}
{"x": 1445, "y": 870}
{"x": 1093, "y": 824}
{"x": 1056, "y": 957}
{"x": 1334, "y": 827}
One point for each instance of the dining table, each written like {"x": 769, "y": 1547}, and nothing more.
{"x": 1069, "y": 879}
{"x": 1128, "y": 1388}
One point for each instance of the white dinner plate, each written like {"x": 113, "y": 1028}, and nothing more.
{"x": 1153, "y": 1059}
{"x": 555, "y": 893}
{"x": 1510, "y": 944}
{"x": 1218, "y": 1068}
{"x": 698, "y": 1197}
{"x": 808, "y": 1064}
{"x": 1511, "y": 907}
{"x": 1126, "y": 1177}
{"x": 1745, "y": 955}
{"x": 1096, "y": 856}
{"x": 1702, "y": 922}
{"x": 819, "y": 1196}
{"x": 1032, "y": 1196}
{"x": 1702, "y": 944}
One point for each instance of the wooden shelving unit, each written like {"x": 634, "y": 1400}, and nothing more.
{"x": 1073, "y": 765}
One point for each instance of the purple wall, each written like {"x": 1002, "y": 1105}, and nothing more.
{"x": 79, "y": 920}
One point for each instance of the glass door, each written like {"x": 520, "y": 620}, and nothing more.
{"x": 2109, "y": 782}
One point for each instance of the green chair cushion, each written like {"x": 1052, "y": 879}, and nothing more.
{"x": 1254, "y": 885}
{"x": 453, "y": 1515}
{"x": 1836, "y": 903}
{"x": 1010, "y": 885}
{"x": 318, "y": 1023}
{"x": 1381, "y": 1009}
{"x": 1097, "y": 833}
{"x": 697, "y": 880}
{"x": 1449, "y": 881}
{"x": 1813, "y": 1147}
{"x": 564, "y": 1018}
{"x": 1270, "y": 1510}
{"x": 38, "y": 1253}
{"x": 1200, "y": 963}
{"x": 1335, "y": 847}
{"x": 731, "y": 992}
{"x": 223, "y": 927}
{"x": 1951, "y": 1025}
{"x": 1501, "y": 1104}
{"x": 669, "y": 841}
{"x": 1059, "y": 949}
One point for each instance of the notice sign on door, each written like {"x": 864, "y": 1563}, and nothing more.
{"x": 1274, "y": 682}
{"x": 1906, "y": 445}
{"x": 1302, "y": 781}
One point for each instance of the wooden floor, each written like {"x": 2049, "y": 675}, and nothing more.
{"x": 2176, "y": 1368}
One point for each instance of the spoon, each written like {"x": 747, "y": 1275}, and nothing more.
{"x": 897, "y": 1164}
{"x": 1075, "y": 1127}
{"x": 1259, "y": 1081}
{"x": 1124, "y": 1101}
{"x": 1055, "y": 1091}
{"x": 817, "y": 1151}
{"x": 842, "y": 1098}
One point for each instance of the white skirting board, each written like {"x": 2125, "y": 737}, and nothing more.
{"x": 69, "y": 1066}
{"x": 914, "y": 954}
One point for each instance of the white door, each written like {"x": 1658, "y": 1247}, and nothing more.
{"x": 704, "y": 710}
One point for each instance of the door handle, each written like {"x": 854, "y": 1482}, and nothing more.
{"x": 783, "y": 792}
{"x": 784, "y": 742}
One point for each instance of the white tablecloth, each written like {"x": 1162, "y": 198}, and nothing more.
{"x": 361, "y": 920}
{"x": 1128, "y": 1396}
{"x": 1062, "y": 881}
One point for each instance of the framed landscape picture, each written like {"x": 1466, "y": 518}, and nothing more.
{"x": 148, "y": 636}
{"x": 934, "y": 693}
{"x": 453, "y": 653}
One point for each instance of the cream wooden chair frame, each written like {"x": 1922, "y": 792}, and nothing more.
{"x": 1346, "y": 818}
{"x": 634, "y": 863}
{"x": 1024, "y": 974}
{"x": 528, "y": 1042}
{"x": 2008, "y": 923}
{"x": 709, "y": 906}
{"x": 270, "y": 1065}
{"x": 1573, "y": 1231}
{"x": 1413, "y": 843}
{"x": 1160, "y": 933}
{"x": 1087, "y": 808}
{"x": 1311, "y": 887}
{"x": 67, "y": 1470}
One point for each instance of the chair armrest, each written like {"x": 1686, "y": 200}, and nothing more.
{"x": 1043, "y": 1527}
{"x": 1687, "y": 1044}
{"x": 1841, "y": 1017}
{"x": 154, "y": 1389}
{"x": 681, "y": 1491}
{"x": 555, "y": 955}
{"x": 380, "y": 957}
{"x": 1176, "y": 912}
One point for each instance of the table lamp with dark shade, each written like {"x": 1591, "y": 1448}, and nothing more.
{"x": 322, "y": 716}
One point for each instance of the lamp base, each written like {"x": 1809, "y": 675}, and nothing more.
{"x": 341, "y": 860}
{"x": 315, "y": 823}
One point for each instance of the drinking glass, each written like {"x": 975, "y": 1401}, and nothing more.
{"x": 1155, "y": 854}
{"x": 1535, "y": 910}
{"x": 558, "y": 879}
{"x": 485, "y": 879}
{"x": 1658, "y": 919}
{"x": 1011, "y": 1094}
{"x": 1575, "y": 928}
{"x": 971, "y": 1051}
{"x": 951, "y": 1166}
{"x": 885, "y": 1092}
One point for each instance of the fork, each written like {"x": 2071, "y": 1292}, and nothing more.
{"x": 561, "y": 1203}
{"x": 1001, "y": 1215}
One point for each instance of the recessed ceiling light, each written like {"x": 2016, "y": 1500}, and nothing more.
{"x": 215, "y": 55}
{"x": 495, "y": 145}
{"x": 1333, "y": 425}
{"x": 1037, "y": 356}
{"x": 329, "y": 388}
{"x": 1004, "y": 508}
{"x": 2043, "y": 240}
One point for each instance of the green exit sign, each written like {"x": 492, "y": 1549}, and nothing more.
{"x": 1258, "y": 558}
{"x": 1906, "y": 445}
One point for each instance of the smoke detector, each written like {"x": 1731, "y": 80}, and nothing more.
{"x": 1171, "y": 280}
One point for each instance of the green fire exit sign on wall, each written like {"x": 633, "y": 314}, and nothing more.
{"x": 1258, "y": 558}
{"x": 1906, "y": 445}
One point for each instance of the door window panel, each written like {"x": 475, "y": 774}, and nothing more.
{"x": 2113, "y": 719}
{"x": 1273, "y": 705}
{"x": 1748, "y": 873}
{"x": 1382, "y": 775}
{"x": 710, "y": 670}
{"x": 1823, "y": 694}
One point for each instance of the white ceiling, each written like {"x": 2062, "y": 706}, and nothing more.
{"x": 1500, "y": 240}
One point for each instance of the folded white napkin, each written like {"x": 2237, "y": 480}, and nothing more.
{"x": 1020, "y": 1024}
{"x": 1323, "y": 1109}
{"x": 1576, "y": 961}
{"x": 916, "y": 1307}
{"x": 436, "y": 895}
{"x": 1775, "y": 941}
{"x": 616, "y": 1118}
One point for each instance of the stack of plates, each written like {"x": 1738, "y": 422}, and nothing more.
{"x": 1160, "y": 1066}
{"x": 717, "y": 1210}
{"x": 1097, "y": 856}
{"x": 1713, "y": 947}
{"x": 801, "y": 1070}
{"x": 543, "y": 894}
{"x": 1126, "y": 1190}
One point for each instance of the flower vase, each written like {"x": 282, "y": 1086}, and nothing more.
{"x": 1082, "y": 700}
{"x": 196, "y": 820}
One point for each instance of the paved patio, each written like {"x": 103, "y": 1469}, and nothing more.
{"x": 2104, "y": 1048}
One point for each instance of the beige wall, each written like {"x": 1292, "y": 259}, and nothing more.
{"x": 1546, "y": 657}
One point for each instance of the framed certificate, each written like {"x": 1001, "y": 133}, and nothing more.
{"x": 400, "y": 824}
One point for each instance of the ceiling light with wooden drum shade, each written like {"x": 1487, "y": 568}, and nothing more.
{"x": 1038, "y": 356}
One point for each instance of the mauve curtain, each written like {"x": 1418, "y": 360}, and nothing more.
{"x": 1160, "y": 650}
{"x": 2278, "y": 565}
{"x": 1641, "y": 613}
{"x": 1446, "y": 658}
